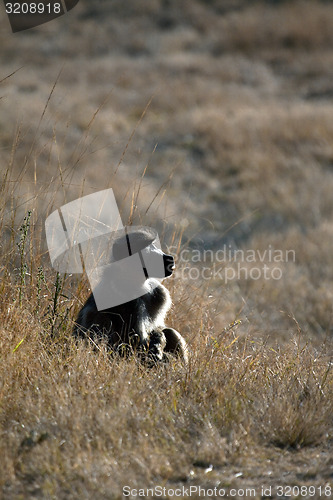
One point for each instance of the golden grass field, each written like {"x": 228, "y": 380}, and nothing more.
{"x": 212, "y": 122}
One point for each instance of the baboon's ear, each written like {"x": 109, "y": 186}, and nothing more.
{"x": 120, "y": 248}
{"x": 139, "y": 238}
{"x": 132, "y": 240}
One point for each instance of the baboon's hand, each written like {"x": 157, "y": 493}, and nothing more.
{"x": 157, "y": 343}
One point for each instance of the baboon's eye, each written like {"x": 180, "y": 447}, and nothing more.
{"x": 153, "y": 249}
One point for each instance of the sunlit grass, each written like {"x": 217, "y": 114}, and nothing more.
{"x": 231, "y": 148}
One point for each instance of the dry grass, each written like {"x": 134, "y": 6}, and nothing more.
{"x": 235, "y": 148}
{"x": 77, "y": 423}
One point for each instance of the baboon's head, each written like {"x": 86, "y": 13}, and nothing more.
{"x": 144, "y": 241}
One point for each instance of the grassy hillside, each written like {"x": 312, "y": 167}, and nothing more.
{"x": 211, "y": 121}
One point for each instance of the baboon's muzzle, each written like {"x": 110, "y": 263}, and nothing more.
{"x": 169, "y": 265}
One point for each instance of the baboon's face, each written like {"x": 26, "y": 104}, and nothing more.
{"x": 156, "y": 263}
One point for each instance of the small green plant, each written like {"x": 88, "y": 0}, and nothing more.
{"x": 23, "y": 269}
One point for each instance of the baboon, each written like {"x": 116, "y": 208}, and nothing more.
{"x": 136, "y": 325}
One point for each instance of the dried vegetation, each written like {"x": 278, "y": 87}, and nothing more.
{"x": 212, "y": 121}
